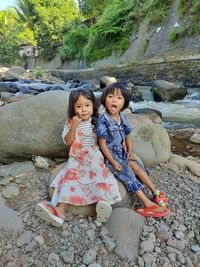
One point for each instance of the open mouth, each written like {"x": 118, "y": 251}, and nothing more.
{"x": 113, "y": 107}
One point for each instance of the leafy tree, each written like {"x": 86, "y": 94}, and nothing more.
{"x": 117, "y": 21}
{"x": 92, "y": 8}
{"x": 190, "y": 10}
{"x": 25, "y": 12}
{"x": 8, "y": 41}
{"x": 48, "y": 19}
{"x": 74, "y": 41}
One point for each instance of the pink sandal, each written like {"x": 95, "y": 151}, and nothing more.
{"x": 48, "y": 213}
{"x": 160, "y": 198}
{"x": 150, "y": 212}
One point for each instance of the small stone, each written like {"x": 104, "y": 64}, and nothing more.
{"x": 89, "y": 256}
{"x": 10, "y": 191}
{"x": 181, "y": 258}
{"x": 53, "y": 258}
{"x": 39, "y": 239}
{"x": 195, "y": 249}
{"x": 23, "y": 239}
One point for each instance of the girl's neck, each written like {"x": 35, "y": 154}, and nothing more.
{"x": 115, "y": 117}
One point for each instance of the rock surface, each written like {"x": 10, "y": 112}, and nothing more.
{"x": 172, "y": 241}
{"x": 37, "y": 124}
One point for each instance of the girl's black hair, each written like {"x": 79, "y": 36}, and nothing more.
{"x": 110, "y": 89}
{"x": 73, "y": 97}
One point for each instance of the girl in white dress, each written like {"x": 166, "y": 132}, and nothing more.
{"x": 84, "y": 179}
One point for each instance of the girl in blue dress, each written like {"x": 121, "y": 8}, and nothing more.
{"x": 113, "y": 133}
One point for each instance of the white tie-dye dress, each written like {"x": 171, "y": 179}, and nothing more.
{"x": 84, "y": 179}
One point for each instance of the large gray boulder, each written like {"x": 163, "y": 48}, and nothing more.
{"x": 186, "y": 164}
{"x": 150, "y": 139}
{"x": 33, "y": 127}
{"x": 9, "y": 220}
{"x": 167, "y": 91}
{"x": 125, "y": 226}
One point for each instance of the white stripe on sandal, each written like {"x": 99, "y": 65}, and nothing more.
{"x": 43, "y": 212}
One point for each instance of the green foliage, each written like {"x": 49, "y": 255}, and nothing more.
{"x": 176, "y": 33}
{"x": 74, "y": 41}
{"x": 8, "y": 37}
{"x": 183, "y": 6}
{"x": 122, "y": 44}
{"x": 172, "y": 36}
{"x": 195, "y": 18}
{"x": 111, "y": 32}
{"x": 157, "y": 10}
{"x": 92, "y": 8}
{"x": 52, "y": 23}
{"x": 8, "y": 51}
{"x": 144, "y": 46}
{"x": 36, "y": 73}
{"x": 190, "y": 9}
{"x": 48, "y": 21}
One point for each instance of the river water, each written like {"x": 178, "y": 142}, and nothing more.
{"x": 176, "y": 115}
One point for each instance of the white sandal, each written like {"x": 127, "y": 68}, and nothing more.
{"x": 103, "y": 210}
{"x": 48, "y": 213}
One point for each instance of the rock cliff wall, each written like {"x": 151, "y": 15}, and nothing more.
{"x": 182, "y": 71}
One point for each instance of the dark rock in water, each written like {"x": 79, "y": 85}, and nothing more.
{"x": 167, "y": 91}
{"x": 106, "y": 80}
{"x": 49, "y": 88}
{"x": 148, "y": 111}
{"x": 58, "y": 86}
{"x": 10, "y": 87}
{"x": 86, "y": 86}
{"x": 55, "y": 88}
{"x": 25, "y": 81}
{"x": 135, "y": 95}
{"x": 74, "y": 84}
{"x": 40, "y": 87}
{"x": 24, "y": 89}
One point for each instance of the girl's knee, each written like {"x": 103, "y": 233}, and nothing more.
{"x": 136, "y": 167}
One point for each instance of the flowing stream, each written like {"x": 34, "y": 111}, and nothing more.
{"x": 176, "y": 115}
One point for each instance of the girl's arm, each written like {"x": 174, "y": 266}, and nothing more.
{"x": 107, "y": 154}
{"x": 71, "y": 135}
{"x": 128, "y": 141}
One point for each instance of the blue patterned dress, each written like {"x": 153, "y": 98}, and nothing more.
{"x": 115, "y": 134}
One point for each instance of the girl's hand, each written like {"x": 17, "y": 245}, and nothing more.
{"x": 131, "y": 156}
{"x": 117, "y": 167}
{"x": 75, "y": 122}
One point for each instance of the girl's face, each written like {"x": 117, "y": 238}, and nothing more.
{"x": 114, "y": 102}
{"x": 83, "y": 108}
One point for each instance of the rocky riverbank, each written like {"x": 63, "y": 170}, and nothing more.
{"x": 181, "y": 144}
{"x": 25, "y": 240}
{"x": 169, "y": 242}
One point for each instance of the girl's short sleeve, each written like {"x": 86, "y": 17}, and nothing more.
{"x": 101, "y": 128}
{"x": 65, "y": 131}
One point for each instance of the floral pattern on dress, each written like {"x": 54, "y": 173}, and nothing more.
{"x": 84, "y": 179}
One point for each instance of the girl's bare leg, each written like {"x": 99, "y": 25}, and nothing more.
{"x": 142, "y": 175}
{"x": 147, "y": 202}
{"x": 62, "y": 209}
